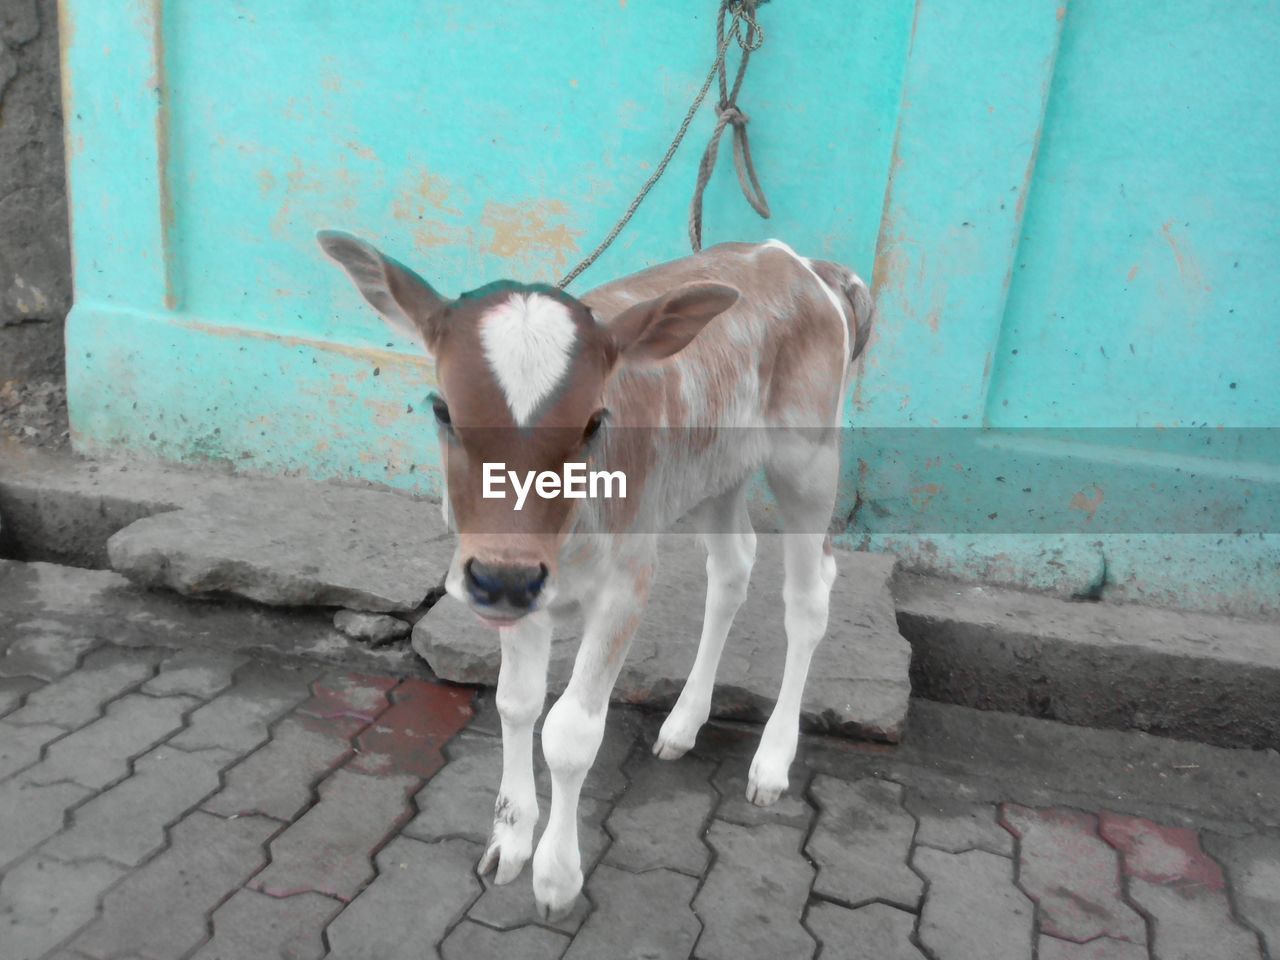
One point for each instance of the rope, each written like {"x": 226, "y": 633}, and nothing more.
{"x": 743, "y": 11}
{"x": 730, "y": 115}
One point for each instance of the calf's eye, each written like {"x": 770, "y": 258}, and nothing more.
{"x": 441, "y": 410}
{"x": 593, "y": 425}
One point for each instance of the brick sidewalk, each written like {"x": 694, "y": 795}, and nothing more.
{"x": 204, "y": 804}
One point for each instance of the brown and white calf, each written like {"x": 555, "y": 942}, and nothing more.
{"x": 731, "y": 360}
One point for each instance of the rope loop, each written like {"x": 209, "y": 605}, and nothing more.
{"x": 727, "y": 114}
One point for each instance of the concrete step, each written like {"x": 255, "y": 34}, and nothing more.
{"x": 1194, "y": 676}
{"x": 289, "y": 541}
{"x": 857, "y": 684}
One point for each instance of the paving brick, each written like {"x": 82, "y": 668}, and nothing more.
{"x": 330, "y": 850}
{"x": 31, "y": 813}
{"x": 752, "y": 900}
{"x": 1072, "y": 875}
{"x": 420, "y": 891}
{"x": 349, "y": 695}
{"x": 196, "y": 673}
{"x": 866, "y": 816}
{"x": 458, "y": 801}
{"x": 791, "y": 808}
{"x": 649, "y": 913}
{"x": 1253, "y": 865}
{"x": 954, "y": 824}
{"x": 1104, "y": 948}
{"x": 237, "y": 719}
{"x": 1181, "y": 887}
{"x": 974, "y": 910}
{"x": 79, "y": 697}
{"x": 20, "y": 746}
{"x": 606, "y": 779}
{"x": 99, "y": 753}
{"x": 162, "y": 910}
{"x": 471, "y": 941}
{"x": 45, "y": 655}
{"x": 408, "y": 738}
{"x": 14, "y": 689}
{"x": 126, "y": 823}
{"x": 659, "y": 821}
{"x": 512, "y": 904}
{"x": 42, "y": 902}
{"x": 874, "y": 932}
{"x": 251, "y": 926}
{"x": 277, "y": 780}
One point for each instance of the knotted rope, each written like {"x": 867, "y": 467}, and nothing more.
{"x": 730, "y": 115}
{"x": 742, "y": 11}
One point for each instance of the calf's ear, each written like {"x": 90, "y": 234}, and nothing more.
{"x": 664, "y": 326}
{"x": 404, "y": 299}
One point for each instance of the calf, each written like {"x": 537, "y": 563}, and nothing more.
{"x": 734, "y": 359}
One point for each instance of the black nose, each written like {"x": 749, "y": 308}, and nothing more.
{"x": 495, "y": 584}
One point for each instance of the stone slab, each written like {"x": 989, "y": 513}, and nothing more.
{"x": 1193, "y": 676}
{"x": 331, "y": 546}
{"x": 858, "y": 683}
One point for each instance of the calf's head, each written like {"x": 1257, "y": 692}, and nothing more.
{"x": 521, "y": 371}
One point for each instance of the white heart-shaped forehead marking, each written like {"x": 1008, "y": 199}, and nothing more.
{"x": 528, "y": 341}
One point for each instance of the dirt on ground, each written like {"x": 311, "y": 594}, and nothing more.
{"x": 35, "y": 413}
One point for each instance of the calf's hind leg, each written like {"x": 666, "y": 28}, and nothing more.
{"x": 803, "y": 479}
{"x": 726, "y": 530}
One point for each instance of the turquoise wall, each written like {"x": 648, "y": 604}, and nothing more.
{"x": 1068, "y": 212}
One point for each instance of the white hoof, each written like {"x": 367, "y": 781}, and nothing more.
{"x": 767, "y": 781}
{"x": 678, "y": 734}
{"x": 555, "y": 887}
{"x": 510, "y": 844}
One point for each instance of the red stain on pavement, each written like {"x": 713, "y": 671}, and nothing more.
{"x": 349, "y": 695}
{"x": 1170, "y": 856}
{"x": 408, "y": 738}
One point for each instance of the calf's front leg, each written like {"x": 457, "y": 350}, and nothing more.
{"x": 574, "y": 728}
{"x": 522, "y": 690}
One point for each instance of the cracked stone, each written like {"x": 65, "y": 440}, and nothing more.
{"x": 658, "y": 821}
{"x": 965, "y": 886}
{"x": 874, "y": 932}
{"x": 1253, "y": 863}
{"x": 858, "y": 682}
{"x": 865, "y": 815}
{"x": 647, "y": 912}
{"x": 251, "y": 926}
{"x": 1181, "y": 887}
{"x": 754, "y": 895}
{"x": 330, "y": 849}
{"x": 955, "y": 825}
{"x": 161, "y": 910}
{"x": 74, "y": 700}
{"x": 99, "y": 753}
{"x": 336, "y": 546}
{"x": 1072, "y": 875}
{"x": 42, "y": 902}
{"x": 470, "y": 941}
{"x": 126, "y": 823}
{"x": 277, "y": 779}
{"x": 371, "y": 628}
{"x": 420, "y": 891}
{"x": 196, "y": 673}
{"x": 30, "y": 813}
